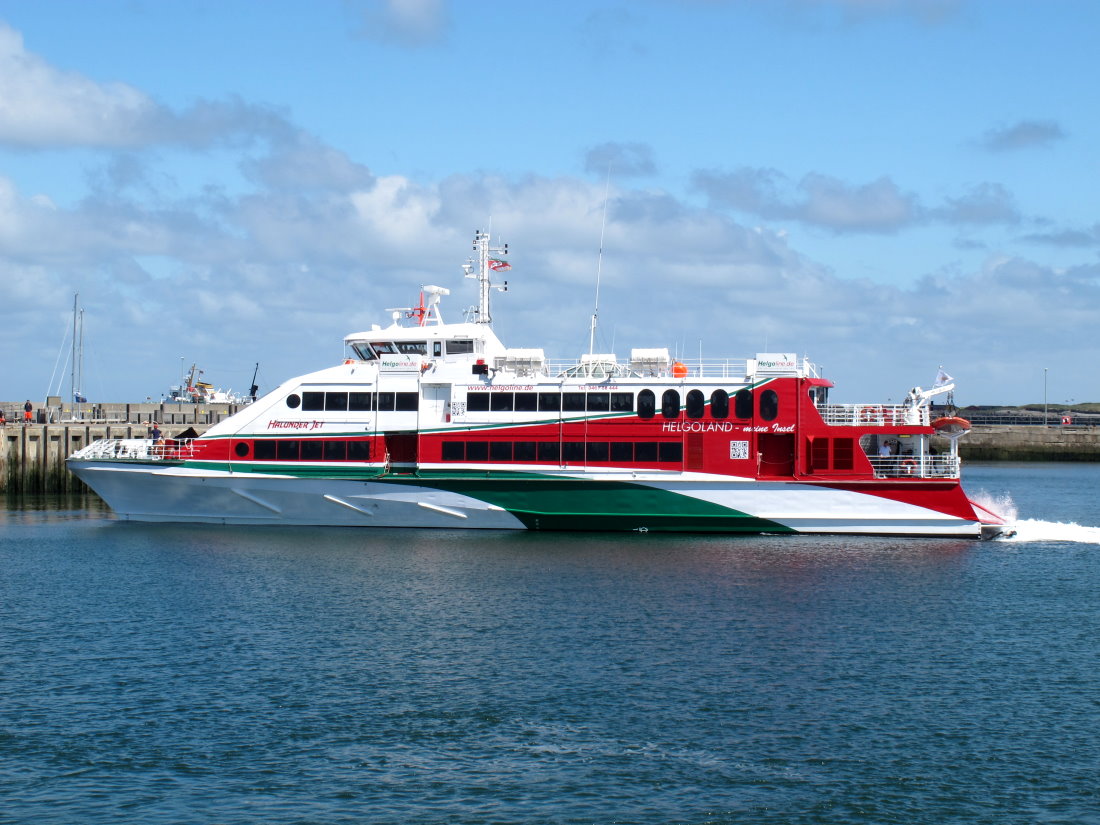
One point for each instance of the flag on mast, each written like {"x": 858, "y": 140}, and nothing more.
{"x": 499, "y": 265}
{"x": 942, "y": 378}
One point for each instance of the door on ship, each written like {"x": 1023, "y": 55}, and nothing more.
{"x": 776, "y": 454}
{"x": 402, "y": 451}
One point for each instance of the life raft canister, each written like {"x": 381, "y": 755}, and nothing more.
{"x": 679, "y": 370}
{"x": 950, "y": 425}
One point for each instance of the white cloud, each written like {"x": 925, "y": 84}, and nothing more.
{"x": 408, "y": 23}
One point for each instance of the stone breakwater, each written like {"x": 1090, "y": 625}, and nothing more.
{"x": 1007, "y": 442}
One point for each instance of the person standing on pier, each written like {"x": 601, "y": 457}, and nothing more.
{"x": 27, "y": 409}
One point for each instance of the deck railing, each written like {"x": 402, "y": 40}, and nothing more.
{"x": 142, "y": 449}
{"x": 873, "y": 415}
{"x": 907, "y": 466}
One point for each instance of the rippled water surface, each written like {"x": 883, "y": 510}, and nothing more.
{"x": 167, "y": 674}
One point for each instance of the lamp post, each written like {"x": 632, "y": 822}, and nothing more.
{"x": 1045, "y": 397}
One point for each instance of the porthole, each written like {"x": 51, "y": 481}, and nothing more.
{"x": 293, "y": 400}
{"x": 241, "y": 448}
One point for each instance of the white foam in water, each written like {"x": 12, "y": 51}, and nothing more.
{"x": 1033, "y": 529}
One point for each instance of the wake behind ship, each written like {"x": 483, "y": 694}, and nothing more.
{"x": 435, "y": 424}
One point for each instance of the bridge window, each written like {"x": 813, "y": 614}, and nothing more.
{"x": 460, "y": 347}
{"x": 412, "y": 347}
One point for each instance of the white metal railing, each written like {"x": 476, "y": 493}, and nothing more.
{"x": 873, "y": 415}
{"x": 908, "y": 466}
{"x": 140, "y": 449}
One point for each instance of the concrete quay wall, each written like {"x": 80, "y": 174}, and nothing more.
{"x": 1031, "y": 443}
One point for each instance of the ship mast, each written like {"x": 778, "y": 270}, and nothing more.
{"x": 485, "y": 265}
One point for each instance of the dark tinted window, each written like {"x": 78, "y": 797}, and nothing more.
{"x": 670, "y": 404}
{"x": 265, "y": 450}
{"x": 360, "y": 401}
{"x": 408, "y": 401}
{"x": 671, "y": 451}
{"x": 572, "y": 451}
{"x": 599, "y": 401}
{"x": 524, "y": 451}
{"x": 696, "y": 404}
{"x": 549, "y": 451}
{"x": 500, "y": 450}
{"x": 311, "y": 451}
{"x": 769, "y": 405}
{"x": 647, "y": 404}
{"x": 742, "y": 404}
{"x": 477, "y": 402}
{"x": 413, "y": 347}
{"x": 622, "y": 451}
{"x": 293, "y": 400}
{"x": 241, "y": 448}
{"x": 287, "y": 450}
{"x": 313, "y": 401}
{"x": 527, "y": 402}
{"x": 454, "y": 450}
{"x": 501, "y": 401}
{"x": 645, "y": 451}
{"x": 336, "y": 400}
{"x": 336, "y": 451}
{"x": 358, "y": 451}
{"x": 572, "y": 401}
{"x": 384, "y": 401}
{"x": 719, "y": 404}
{"x": 459, "y": 347}
{"x": 549, "y": 401}
{"x": 597, "y": 451}
{"x": 477, "y": 450}
{"x": 622, "y": 401}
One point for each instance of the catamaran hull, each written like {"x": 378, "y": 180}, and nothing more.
{"x": 152, "y": 493}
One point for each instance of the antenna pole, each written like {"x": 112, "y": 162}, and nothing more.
{"x": 485, "y": 266}
{"x": 599, "y": 266}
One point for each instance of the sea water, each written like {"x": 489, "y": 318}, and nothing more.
{"x": 178, "y": 674}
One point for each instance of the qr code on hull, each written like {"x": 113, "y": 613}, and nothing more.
{"x": 739, "y": 449}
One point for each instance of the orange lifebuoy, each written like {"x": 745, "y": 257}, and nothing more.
{"x": 909, "y": 466}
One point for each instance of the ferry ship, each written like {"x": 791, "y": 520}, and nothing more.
{"x": 432, "y": 424}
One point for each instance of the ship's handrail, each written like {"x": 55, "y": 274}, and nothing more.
{"x": 138, "y": 449}
{"x": 873, "y": 415}
{"x": 731, "y": 369}
{"x": 908, "y": 466}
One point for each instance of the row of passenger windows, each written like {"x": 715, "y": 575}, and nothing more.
{"x": 289, "y": 449}
{"x": 616, "y": 402}
{"x": 564, "y": 451}
{"x": 354, "y": 401}
{"x": 368, "y": 352}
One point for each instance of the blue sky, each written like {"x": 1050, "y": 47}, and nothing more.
{"x": 882, "y": 185}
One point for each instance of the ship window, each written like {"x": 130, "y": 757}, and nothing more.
{"x": 501, "y": 401}
{"x": 599, "y": 401}
{"x": 671, "y": 451}
{"x": 241, "y": 449}
{"x": 460, "y": 347}
{"x": 408, "y": 401}
{"x": 287, "y": 449}
{"x": 549, "y": 401}
{"x": 549, "y": 451}
{"x": 383, "y": 347}
{"x": 384, "y": 401}
{"x": 622, "y": 402}
{"x": 454, "y": 450}
{"x": 412, "y": 347}
{"x": 336, "y": 451}
{"x": 572, "y": 451}
{"x": 670, "y": 404}
{"x": 572, "y": 401}
{"x": 524, "y": 451}
{"x": 719, "y": 404}
{"x": 622, "y": 451}
{"x": 265, "y": 450}
{"x": 364, "y": 351}
{"x": 311, "y": 450}
{"x": 647, "y": 404}
{"x": 360, "y": 401}
{"x": 358, "y": 451}
{"x": 597, "y": 451}
{"x": 842, "y": 453}
{"x": 527, "y": 402}
{"x": 477, "y": 450}
{"x": 437, "y": 348}
{"x": 500, "y": 450}
{"x": 293, "y": 400}
{"x": 336, "y": 401}
{"x": 645, "y": 451}
{"x": 742, "y": 404}
{"x": 696, "y": 404}
{"x": 477, "y": 402}
{"x": 769, "y": 405}
{"x": 313, "y": 401}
